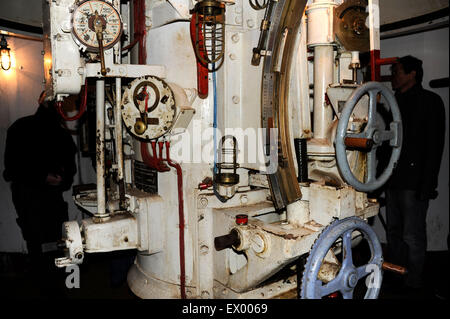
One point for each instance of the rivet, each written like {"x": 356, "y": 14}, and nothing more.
{"x": 204, "y": 249}
{"x": 203, "y": 201}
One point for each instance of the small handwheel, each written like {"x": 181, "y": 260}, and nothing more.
{"x": 348, "y": 275}
{"x": 372, "y": 136}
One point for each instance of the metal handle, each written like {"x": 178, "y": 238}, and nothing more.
{"x": 98, "y": 26}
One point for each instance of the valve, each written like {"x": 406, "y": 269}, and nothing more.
{"x": 348, "y": 275}
{"x": 372, "y": 137}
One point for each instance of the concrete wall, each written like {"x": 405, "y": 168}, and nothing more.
{"x": 432, "y": 48}
{"x": 19, "y": 89}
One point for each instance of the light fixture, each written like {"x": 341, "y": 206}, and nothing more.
{"x": 5, "y": 54}
{"x": 209, "y": 36}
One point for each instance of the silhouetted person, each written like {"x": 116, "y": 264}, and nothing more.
{"x": 415, "y": 179}
{"x": 40, "y": 164}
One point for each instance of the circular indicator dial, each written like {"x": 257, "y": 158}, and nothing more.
{"x": 86, "y": 16}
{"x": 148, "y": 107}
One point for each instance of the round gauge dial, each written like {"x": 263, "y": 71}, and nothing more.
{"x": 83, "y": 22}
{"x": 148, "y": 107}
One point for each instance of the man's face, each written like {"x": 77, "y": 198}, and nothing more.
{"x": 400, "y": 79}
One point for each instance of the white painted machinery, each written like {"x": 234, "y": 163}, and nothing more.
{"x": 244, "y": 144}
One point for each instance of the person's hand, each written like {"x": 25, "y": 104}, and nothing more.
{"x": 53, "y": 179}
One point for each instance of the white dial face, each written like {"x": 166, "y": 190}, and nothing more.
{"x": 83, "y": 21}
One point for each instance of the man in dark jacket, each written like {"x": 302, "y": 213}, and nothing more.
{"x": 415, "y": 179}
{"x": 40, "y": 164}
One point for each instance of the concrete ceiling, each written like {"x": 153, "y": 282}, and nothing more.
{"x": 29, "y": 12}
{"x": 398, "y": 10}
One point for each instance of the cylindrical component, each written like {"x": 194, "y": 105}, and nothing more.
{"x": 394, "y": 268}
{"x": 302, "y": 159}
{"x": 100, "y": 148}
{"x": 242, "y": 219}
{"x": 323, "y": 77}
{"x": 320, "y": 22}
{"x": 355, "y": 58}
{"x": 355, "y": 65}
{"x": 227, "y": 241}
{"x": 358, "y": 142}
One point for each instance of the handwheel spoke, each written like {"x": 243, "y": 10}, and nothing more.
{"x": 371, "y": 270}
{"x": 347, "y": 250}
{"x": 385, "y": 136}
{"x": 329, "y": 288}
{"x": 371, "y": 166}
{"x": 357, "y": 135}
{"x": 372, "y": 108}
{"x": 363, "y": 271}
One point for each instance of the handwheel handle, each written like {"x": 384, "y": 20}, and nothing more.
{"x": 371, "y": 138}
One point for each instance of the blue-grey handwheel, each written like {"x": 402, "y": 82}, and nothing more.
{"x": 376, "y": 134}
{"x": 348, "y": 275}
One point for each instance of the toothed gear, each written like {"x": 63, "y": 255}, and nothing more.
{"x": 348, "y": 275}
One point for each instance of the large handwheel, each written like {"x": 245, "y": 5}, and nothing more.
{"x": 372, "y": 136}
{"x": 348, "y": 275}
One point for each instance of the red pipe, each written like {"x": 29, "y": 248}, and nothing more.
{"x": 387, "y": 61}
{"x": 376, "y": 61}
{"x": 181, "y": 219}
{"x": 202, "y": 71}
{"x": 82, "y": 106}
{"x": 374, "y": 67}
{"x": 153, "y": 161}
{"x": 146, "y": 157}
{"x": 140, "y": 29}
{"x": 159, "y": 159}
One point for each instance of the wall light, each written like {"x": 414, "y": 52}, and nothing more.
{"x": 5, "y": 54}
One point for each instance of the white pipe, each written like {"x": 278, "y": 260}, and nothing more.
{"x": 100, "y": 148}
{"x": 374, "y": 24}
{"x": 323, "y": 77}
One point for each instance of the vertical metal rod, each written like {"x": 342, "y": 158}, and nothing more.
{"x": 100, "y": 148}
{"x": 323, "y": 77}
{"x": 119, "y": 144}
{"x": 302, "y": 60}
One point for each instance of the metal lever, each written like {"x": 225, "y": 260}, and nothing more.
{"x": 227, "y": 241}
{"x": 98, "y": 27}
{"x": 394, "y": 268}
{"x": 265, "y": 25}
